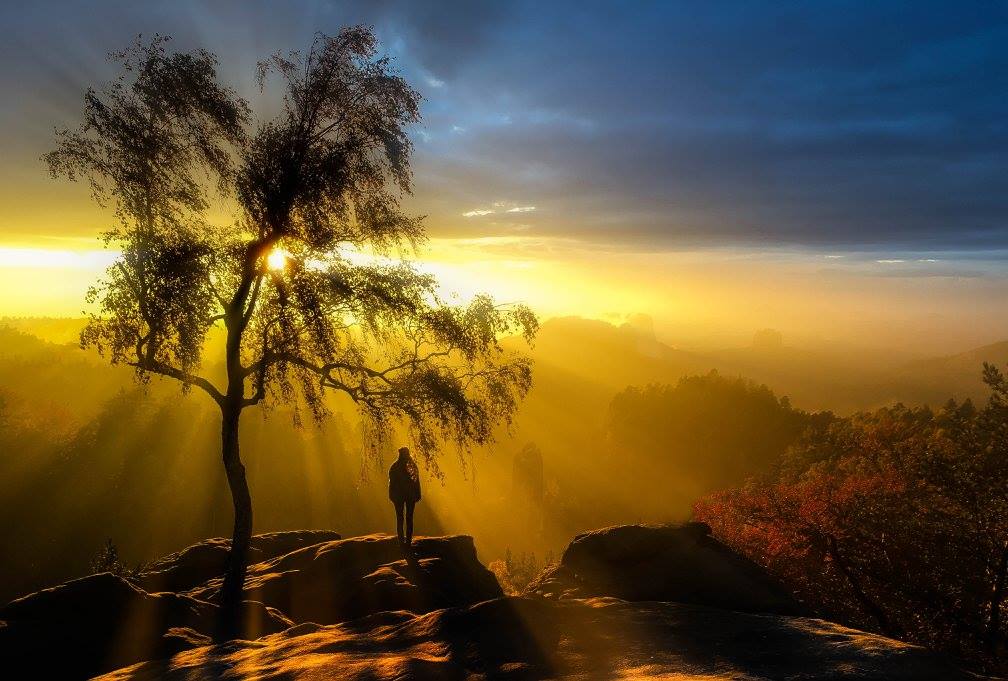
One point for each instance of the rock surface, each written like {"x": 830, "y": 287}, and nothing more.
{"x": 671, "y": 563}
{"x": 102, "y": 622}
{"x": 530, "y": 638}
{"x": 199, "y": 563}
{"x": 346, "y": 579}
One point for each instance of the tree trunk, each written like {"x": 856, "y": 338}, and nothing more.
{"x": 860, "y": 594}
{"x": 236, "y": 318}
{"x": 234, "y": 577}
{"x": 994, "y": 623}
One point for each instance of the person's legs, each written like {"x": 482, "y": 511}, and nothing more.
{"x": 399, "y": 519}
{"x": 409, "y": 521}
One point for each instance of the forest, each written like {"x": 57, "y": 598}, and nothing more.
{"x": 891, "y": 520}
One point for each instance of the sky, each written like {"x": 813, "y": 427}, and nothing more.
{"x": 836, "y": 170}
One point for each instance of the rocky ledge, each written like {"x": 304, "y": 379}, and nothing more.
{"x": 624, "y": 602}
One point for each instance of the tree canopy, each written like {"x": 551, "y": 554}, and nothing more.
{"x": 894, "y": 520}
{"x": 318, "y": 188}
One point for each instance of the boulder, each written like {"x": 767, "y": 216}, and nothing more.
{"x": 199, "y": 563}
{"x": 670, "y": 563}
{"x": 103, "y": 622}
{"x": 346, "y": 579}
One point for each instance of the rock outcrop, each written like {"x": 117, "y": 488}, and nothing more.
{"x": 102, "y": 622}
{"x": 361, "y": 608}
{"x": 683, "y": 564}
{"x": 346, "y": 579}
{"x": 199, "y": 563}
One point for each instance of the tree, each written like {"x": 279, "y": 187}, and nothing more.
{"x": 700, "y": 434}
{"x": 894, "y": 520}
{"x": 303, "y": 282}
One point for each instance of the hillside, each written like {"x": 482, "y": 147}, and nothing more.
{"x": 596, "y": 359}
{"x": 100, "y": 454}
{"x": 959, "y": 374}
{"x": 604, "y": 357}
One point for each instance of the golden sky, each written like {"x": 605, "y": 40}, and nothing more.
{"x": 698, "y": 298}
{"x": 836, "y": 194}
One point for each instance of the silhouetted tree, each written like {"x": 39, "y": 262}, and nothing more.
{"x": 301, "y": 281}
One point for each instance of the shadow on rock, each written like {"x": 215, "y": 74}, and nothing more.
{"x": 197, "y": 564}
{"x": 103, "y": 622}
{"x": 534, "y": 638}
{"x": 343, "y": 580}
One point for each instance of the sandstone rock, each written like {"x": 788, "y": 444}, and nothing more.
{"x": 673, "y": 563}
{"x": 437, "y": 613}
{"x": 206, "y": 560}
{"x": 102, "y": 622}
{"x": 350, "y": 578}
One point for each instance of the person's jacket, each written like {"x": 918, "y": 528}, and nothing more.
{"x": 404, "y": 482}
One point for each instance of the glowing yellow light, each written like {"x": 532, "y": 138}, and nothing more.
{"x": 277, "y": 259}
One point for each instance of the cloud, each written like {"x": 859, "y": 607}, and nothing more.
{"x": 14, "y": 257}
{"x": 805, "y": 142}
{"x": 864, "y": 129}
{"x": 499, "y": 207}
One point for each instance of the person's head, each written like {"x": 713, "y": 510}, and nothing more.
{"x": 404, "y": 453}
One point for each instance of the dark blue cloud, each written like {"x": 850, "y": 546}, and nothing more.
{"x": 827, "y": 124}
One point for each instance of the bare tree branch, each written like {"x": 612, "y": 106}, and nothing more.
{"x": 179, "y": 375}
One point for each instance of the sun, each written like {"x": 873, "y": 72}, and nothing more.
{"x": 277, "y": 259}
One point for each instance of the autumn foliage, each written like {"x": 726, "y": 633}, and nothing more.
{"x": 894, "y": 521}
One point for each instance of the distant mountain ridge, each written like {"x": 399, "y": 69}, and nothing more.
{"x": 996, "y": 353}
{"x": 841, "y": 381}
{"x": 604, "y": 358}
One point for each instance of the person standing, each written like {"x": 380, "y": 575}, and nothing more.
{"x": 404, "y": 493}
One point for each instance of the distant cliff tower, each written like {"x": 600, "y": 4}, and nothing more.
{"x": 768, "y": 339}
{"x": 527, "y": 498}
{"x": 527, "y": 475}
